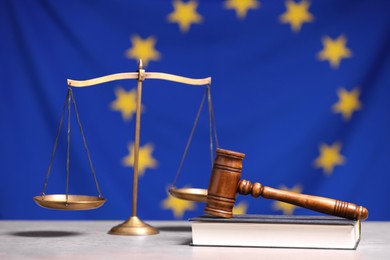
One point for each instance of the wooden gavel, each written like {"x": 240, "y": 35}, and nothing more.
{"x": 225, "y": 182}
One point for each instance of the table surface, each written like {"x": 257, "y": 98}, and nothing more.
{"x": 89, "y": 240}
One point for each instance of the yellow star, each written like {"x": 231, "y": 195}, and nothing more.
{"x": 287, "y": 208}
{"x": 184, "y": 14}
{"x": 143, "y": 49}
{"x": 242, "y": 6}
{"x": 296, "y": 14}
{"x": 240, "y": 208}
{"x": 329, "y": 157}
{"x": 125, "y": 103}
{"x": 334, "y": 50}
{"x": 145, "y": 159}
{"x": 178, "y": 206}
{"x": 348, "y": 102}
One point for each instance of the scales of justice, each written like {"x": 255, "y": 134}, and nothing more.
{"x": 225, "y": 180}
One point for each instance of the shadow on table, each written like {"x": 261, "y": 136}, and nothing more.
{"x": 174, "y": 228}
{"x": 45, "y": 233}
{"x": 184, "y": 242}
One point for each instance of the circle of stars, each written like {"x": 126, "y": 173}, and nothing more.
{"x": 297, "y": 13}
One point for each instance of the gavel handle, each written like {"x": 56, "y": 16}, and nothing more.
{"x": 320, "y": 204}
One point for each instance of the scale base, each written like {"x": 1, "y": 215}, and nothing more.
{"x": 133, "y": 227}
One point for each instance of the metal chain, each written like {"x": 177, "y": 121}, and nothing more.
{"x": 190, "y": 138}
{"x": 55, "y": 145}
{"x": 212, "y": 118}
{"x": 85, "y": 145}
{"x": 69, "y": 98}
{"x": 68, "y": 148}
{"x": 212, "y": 130}
{"x": 212, "y": 125}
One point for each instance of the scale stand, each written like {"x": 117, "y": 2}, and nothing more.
{"x": 135, "y": 226}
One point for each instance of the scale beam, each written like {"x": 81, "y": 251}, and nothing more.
{"x": 136, "y": 75}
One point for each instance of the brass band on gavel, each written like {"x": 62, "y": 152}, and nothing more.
{"x": 225, "y": 182}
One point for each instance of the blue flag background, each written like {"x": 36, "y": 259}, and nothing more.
{"x": 301, "y": 87}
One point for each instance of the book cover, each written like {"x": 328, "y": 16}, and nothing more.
{"x": 276, "y": 231}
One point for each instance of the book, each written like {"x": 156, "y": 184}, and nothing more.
{"x": 326, "y": 232}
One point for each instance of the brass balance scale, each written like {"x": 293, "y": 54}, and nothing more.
{"x": 225, "y": 181}
{"x": 133, "y": 225}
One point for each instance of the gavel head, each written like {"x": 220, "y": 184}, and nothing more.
{"x": 224, "y": 180}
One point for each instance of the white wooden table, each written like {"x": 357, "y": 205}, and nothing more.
{"x": 89, "y": 240}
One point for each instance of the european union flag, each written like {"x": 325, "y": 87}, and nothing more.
{"x": 301, "y": 87}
